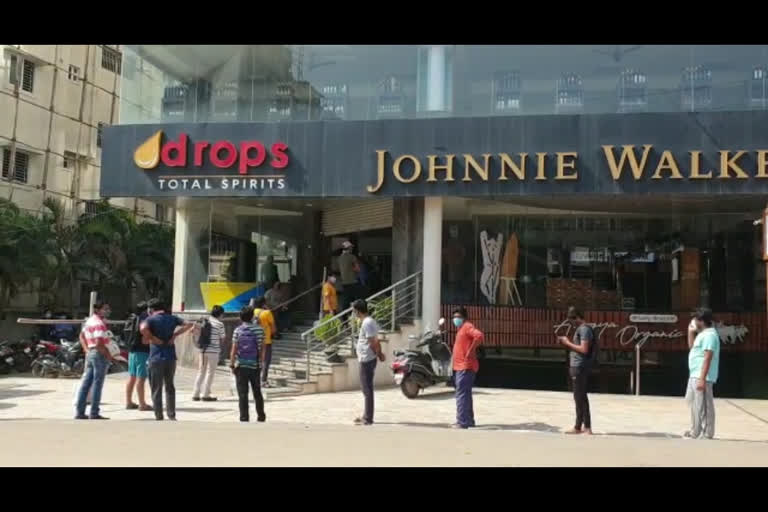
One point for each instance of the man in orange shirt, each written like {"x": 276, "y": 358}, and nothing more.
{"x": 330, "y": 301}
{"x": 265, "y": 318}
{"x": 465, "y": 366}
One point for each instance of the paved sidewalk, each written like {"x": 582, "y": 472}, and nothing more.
{"x": 24, "y": 397}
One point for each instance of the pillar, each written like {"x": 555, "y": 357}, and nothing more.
{"x": 407, "y": 236}
{"x": 435, "y": 79}
{"x": 180, "y": 257}
{"x": 191, "y": 253}
{"x": 432, "y": 260}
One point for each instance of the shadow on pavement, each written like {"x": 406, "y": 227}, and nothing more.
{"x": 201, "y": 409}
{"x": 657, "y": 435}
{"x": 448, "y": 394}
{"x": 533, "y": 426}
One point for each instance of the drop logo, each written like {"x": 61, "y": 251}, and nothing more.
{"x": 222, "y": 154}
{"x": 183, "y": 154}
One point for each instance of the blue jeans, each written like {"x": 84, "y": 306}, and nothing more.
{"x": 465, "y": 414}
{"x": 95, "y": 372}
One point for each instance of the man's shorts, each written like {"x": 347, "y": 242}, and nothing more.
{"x": 137, "y": 364}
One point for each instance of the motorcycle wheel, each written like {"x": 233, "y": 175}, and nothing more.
{"x": 22, "y": 364}
{"x": 5, "y": 369}
{"x": 410, "y": 387}
{"x": 78, "y": 367}
{"x": 37, "y": 369}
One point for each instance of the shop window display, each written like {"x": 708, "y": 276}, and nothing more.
{"x": 604, "y": 262}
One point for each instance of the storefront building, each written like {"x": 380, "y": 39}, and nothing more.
{"x": 519, "y": 179}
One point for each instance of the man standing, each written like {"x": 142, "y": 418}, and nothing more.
{"x": 94, "y": 340}
{"x": 465, "y": 366}
{"x": 368, "y": 351}
{"x": 266, "y": 320}
{"x": 330, "y": 301}
{"x": 209, "y": 356}
{"x": 348, "y": 268}
{"x": 244, "y": 362}
{"x": 582, "y": 357}
{"x": 137, "y": 358}
{"x": 161, "y": 330}
{"x": 703, "y": 367}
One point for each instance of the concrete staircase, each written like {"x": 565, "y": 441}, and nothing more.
{"x": 289, "y": 360}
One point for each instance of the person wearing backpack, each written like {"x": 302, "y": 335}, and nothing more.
{"x": 138, "y": 354}
{"x": 212, "y": 334}
{"x": 264, "y": 318}
{"x": 244, "y": 360}
{"x": 583, "y": 358}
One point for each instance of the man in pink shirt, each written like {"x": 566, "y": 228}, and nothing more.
{"x": 465, "y": 366}
{"x": 94, "y": 339}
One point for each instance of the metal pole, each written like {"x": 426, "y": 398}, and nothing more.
{"x": 94, "y": 296}
{"x": 394, "y": 309}
{"x": 322, "y": 298}
{"x": 637, "y": 370}
{"x": 306, "y": 339}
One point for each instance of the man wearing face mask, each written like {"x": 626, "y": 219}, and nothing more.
{"x": 465, "y": 366}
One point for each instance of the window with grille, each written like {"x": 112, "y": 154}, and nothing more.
{"x": 111, "y": 59}
{"x": 27, "y": 73}
{"x": 90, "y": 207}
{"x": 161, "y": 213}
{"x": 69, "y": 160}
{"x": 20, "y": 166}
{"x": 74, "y": 73}
{"x": 99, "y": 131}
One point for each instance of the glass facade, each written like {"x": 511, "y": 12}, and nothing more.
{"x": 272, "y": 83}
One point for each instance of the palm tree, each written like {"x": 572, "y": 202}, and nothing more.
{"x": 23, "y": 239}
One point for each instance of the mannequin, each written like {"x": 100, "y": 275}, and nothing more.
{"x": 489, "y": 279}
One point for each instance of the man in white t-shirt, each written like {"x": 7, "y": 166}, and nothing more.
{"x": 209, "y": 357}
{"x": 368, "y": 352}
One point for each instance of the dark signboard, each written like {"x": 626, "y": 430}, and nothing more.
{"x": 640, "y": 154}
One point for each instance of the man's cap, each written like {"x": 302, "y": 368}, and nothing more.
{"x": 346, "y": 245}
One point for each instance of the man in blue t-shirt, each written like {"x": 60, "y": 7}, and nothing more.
{"x": 703, "y": 367}
{"x": 161, "y": 329}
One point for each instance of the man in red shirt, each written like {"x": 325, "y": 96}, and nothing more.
{"x": 465, "y": 366}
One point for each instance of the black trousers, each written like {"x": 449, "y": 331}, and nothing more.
{"x": 580, "y": 381}
{"x": 244, "y": 377}
{"x": 161, "y": 374}
{"x": 367, "y": 371}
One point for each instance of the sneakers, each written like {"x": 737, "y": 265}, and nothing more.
{"x": 209, "y": 399}
{"x": 132, "y": 406}
{"x": 98, "y": 417}
{"x": 81, "y": 417}
{"x": 195, "y": 398}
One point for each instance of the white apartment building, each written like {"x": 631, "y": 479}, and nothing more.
{"x": 54, "y": 102}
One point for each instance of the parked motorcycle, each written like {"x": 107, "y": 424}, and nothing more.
{"x": 6, "y": 358}
{"x": 64, "y": 359}
{"x": 416, "y": 369}
{"x": 23, "y": 354}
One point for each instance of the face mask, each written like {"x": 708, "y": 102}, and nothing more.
{"x": 458, "y": 322}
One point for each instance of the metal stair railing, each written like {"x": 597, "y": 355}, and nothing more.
{"x": 397, "y": 304}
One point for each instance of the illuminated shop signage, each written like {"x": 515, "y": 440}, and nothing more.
{"x": 240, "y": 163}
{"x": 636, "y": 163}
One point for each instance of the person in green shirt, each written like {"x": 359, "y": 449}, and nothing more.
{"x": 703, "y": 367}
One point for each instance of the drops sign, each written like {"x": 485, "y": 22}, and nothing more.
{"x": 242, "y": 160}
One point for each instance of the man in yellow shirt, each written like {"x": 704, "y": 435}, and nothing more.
{"x": 266, "y": 320}
{"x": 330, "y": 301}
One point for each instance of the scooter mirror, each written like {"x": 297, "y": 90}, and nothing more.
{"x": 441, "y": 322}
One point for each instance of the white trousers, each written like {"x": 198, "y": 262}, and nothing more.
{"x": 205, "y": 372}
